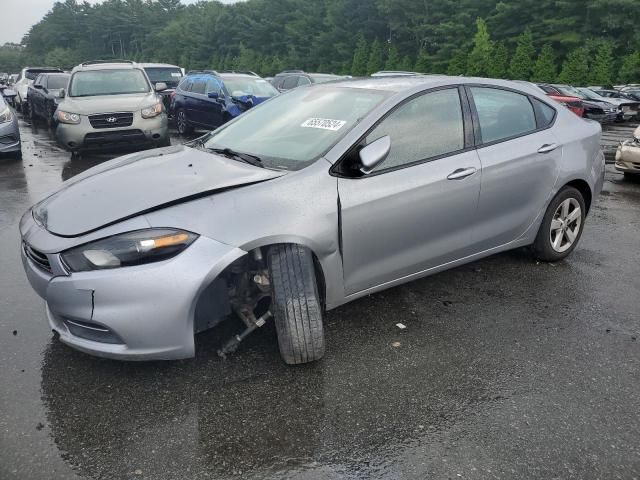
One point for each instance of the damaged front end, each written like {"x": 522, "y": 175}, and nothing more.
{"x": 628, "y": 155}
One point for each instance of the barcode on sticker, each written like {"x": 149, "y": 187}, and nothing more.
{"x": 323, "y": 123}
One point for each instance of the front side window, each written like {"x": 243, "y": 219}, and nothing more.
{"x": 502, "y": 114}
{"x": 292, "y": 130}
{"x": 213, "y": 85}
{"x": 56, "y": 82}
{"x": 108, "y": 82}
{"x": 425, "y": 127}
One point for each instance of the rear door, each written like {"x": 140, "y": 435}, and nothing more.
{"x": 520, "y": 158}
{"x": 417, "y": 209}
{"x": 197, "y": 101}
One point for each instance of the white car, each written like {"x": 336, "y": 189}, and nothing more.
{"x": 25, "y": 78}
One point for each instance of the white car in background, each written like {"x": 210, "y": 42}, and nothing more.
{"x": 25, "y": 78}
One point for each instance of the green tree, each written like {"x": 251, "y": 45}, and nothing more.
{"x": 393, "y": 59}
{"x": 544, "y": 69}
{"x": 376, "y": 57}
{"x": 423, "y": 62}
{"x": 575, "y": 69}
{"x": 406, "y": 64}
{"x": 479, "y": 59}
{"x": 360, "y": 57}
{"x": 61, "y": 57}
{"x": 630, "y": 69}
{"x": 601, "y": 70}
{"x": 522, "y": 60}
{"x": 499, "y": 61}
{"x": 458, "y": 63}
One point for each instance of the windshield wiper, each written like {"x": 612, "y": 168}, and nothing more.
{"x": 245, "y": 157}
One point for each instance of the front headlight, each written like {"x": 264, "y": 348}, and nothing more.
{"x": 152, "y": 111}
{"x": 128, "y": 249}
{"x": 6, "y": 115}
{"x": 70, "y": 118}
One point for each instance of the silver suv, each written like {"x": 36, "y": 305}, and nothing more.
{"x": 111, "y": 105}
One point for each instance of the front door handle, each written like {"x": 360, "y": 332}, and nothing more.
{"x": 461, "y": 173}
{"x": 547, "y": 148}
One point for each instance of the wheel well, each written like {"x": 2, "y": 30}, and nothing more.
{"x": 584, "y": 189}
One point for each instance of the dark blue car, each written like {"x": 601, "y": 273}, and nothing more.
{"x": 209, "y": 99}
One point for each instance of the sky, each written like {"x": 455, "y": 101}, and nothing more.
{"x": 18, "y": 15}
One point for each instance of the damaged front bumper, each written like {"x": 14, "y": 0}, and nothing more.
{"x": 146, "y": 312}
{"x": 628, "y": 157}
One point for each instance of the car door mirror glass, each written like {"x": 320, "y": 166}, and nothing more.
{"x": 160, "y": 86}
{"x": 374, "y": 154}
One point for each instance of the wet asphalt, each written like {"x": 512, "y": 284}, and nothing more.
{"x": 507, "y": 369}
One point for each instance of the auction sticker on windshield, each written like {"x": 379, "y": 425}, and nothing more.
{"x": 324, "y": 123}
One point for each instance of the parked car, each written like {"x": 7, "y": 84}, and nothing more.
{"x": 165, "y": 73}
{"x": 311, "y": 200}
{"x": 602, "y": 112}
{"x": 632, "y": 90}
{"x": 572, "y": 103}
{"x": 4, "y": 78}
{"x": 627, "y": 109}
{"x": 608, "y": 93}
{"x": 9, "y": 131}
{"x": 290, "y": 79}
{"x": 8, "y": 94}
{"x": 13, "y": 78}
{"x": 628, "y": 156}
{"x": 393, "y": 73}
{"x": 208, "y": 99}
{"x": 44, "y": 95}
{"x": 111, "y": 105}
{"x": 26, "y": 78}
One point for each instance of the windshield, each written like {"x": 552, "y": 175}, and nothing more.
{"x": 240, "y": 86}
{"x": 591, "y": 95}
{"x": 294, "y": 129}
{"x": 108, "y": 82}
{"x": 169, "y": 75}
{"x": 572, "y": 92}
{"x": 32, "y": 73}
{"x": 56, "y": 82}
{"x": 324, "y": 78}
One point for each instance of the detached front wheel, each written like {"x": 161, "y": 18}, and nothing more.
{"x": 295, "y": 304}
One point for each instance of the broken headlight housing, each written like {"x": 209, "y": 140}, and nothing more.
{"x": 5, "y": 115}
{"x": 128, "y": 249}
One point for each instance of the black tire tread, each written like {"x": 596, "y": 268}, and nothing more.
{"x": 296, "y": 304}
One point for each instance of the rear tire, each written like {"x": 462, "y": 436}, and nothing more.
{"x": 49, "y": 113}
{"x": 561, "y": 226}
{"x": 295, "y": 304}
{"x": 182, "y": 124}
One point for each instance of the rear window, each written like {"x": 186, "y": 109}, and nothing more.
{"x": 32, "y": 73}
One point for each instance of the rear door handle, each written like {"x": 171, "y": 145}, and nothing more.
{"x": 461, "y": 173}
{"x": 547, "y": 148}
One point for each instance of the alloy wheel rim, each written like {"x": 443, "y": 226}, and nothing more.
{"x": 181, "y": 122}
{"x": 565, "y": 225}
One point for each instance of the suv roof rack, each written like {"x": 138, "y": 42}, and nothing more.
{"x": 244, "y": 72}
{"x": 98, "y": 62}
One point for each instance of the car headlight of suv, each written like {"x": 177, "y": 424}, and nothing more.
{"x": 152, "y": 111}
{"x": 128, "y": 249}
{"x": 70, "y": 118}
{"x": 6, "y": 115}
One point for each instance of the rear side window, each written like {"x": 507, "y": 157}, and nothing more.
{"x": 290, "y": 82}
{"x": 425, "y": 127}
{"x": 503, "y": 114}
{"x": 544, "y": 112}
{"x": 303, "y": 81}
{"x": 199, "y": 86}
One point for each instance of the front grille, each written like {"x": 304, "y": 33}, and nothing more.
{"x": 40, "y": 259}
{"x": 111, "y": 120}
{"x": 123, "y": 137}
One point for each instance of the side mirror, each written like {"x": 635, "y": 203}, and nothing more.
{"x": 374, "y": 154}
{"x": 214, "y": 95}
{"x": 160, "y": 86}
{"x": 62, "y": 93}
{"x": 38, "y": 86}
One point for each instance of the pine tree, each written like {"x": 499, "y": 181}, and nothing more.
{"x": 376, "y": 57}
{"x": 423, "y": 62}
{"x": 499, "y": 61}
{"x": 602, "y": 68}
{"x": 575, "y": 69}
{"x": 360, "y": 57}
{"x": 458, "y": 63}
{"x": 630, "y": 69}
{"x": 522, "y": 61}
{"x": 480, "y": 56}
{"x": 545, "y": 68}
{"x": 393, "y": 59}
{"x": 406, "y": 64}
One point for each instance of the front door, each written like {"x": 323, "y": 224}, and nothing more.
{"x": 417, "y": 209}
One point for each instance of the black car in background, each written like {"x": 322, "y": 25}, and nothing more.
{"x": 290, "y": 79}
{"x": 44, "y": 94}
{"x": 164, "y": 73}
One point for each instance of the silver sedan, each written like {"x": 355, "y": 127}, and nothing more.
{"x": 315, "y": 198}
{"x": 9, "y": 131}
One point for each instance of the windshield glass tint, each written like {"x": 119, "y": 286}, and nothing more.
{"x": 258, "y": 87}
{"x": 55, "y": 82}
{"x": 108, "y": 82}
{"x": 163, "y": 74}
{"x": 294, "y": 129}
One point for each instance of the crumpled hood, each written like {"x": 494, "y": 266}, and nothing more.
{"x": 108, "y": 103}
{"x": 141, "y": 182}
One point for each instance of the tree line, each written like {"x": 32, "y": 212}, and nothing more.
{"x": 573, "y": 41}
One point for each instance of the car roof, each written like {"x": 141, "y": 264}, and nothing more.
{"x": 106, "y": 65}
